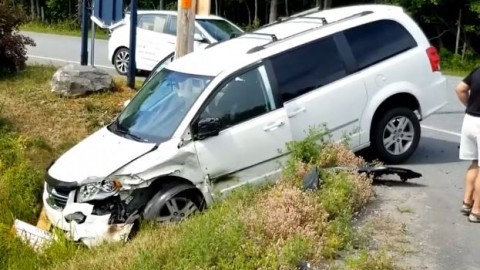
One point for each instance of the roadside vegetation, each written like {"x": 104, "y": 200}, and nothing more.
{"x": 275, "y": 226}
{"x": 454, "y": 64}
{"x": 66, "y": 28}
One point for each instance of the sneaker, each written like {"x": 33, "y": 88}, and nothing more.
{"x": 474, "y": 218}
{"x": 466, "y": 208}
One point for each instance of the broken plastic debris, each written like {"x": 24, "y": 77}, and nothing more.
{"x": 32, "y": 235}
{"x": 312, "y": 181}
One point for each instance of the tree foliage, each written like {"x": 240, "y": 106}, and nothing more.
{"x": 12, "y": 44}
{"x": 449, "y": 24}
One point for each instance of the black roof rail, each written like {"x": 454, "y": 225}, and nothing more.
{"x": 360, "y": 14}
{"x": 272, "y": 36}
{"x": 261, "y": 47}
{"x": 300, "y": 15}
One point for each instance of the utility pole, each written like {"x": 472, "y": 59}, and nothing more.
{"x": 203, "y": 7}
{"x": 132, "y": 67}
{"x": 185, "y": 27}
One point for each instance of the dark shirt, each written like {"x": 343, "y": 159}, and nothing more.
{"x": 473, "y": 81}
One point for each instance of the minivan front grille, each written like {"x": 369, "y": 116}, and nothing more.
{"x": 57, "y": 198}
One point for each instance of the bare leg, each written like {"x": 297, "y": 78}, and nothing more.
{"x": 470, "y": 177}
{"x": 475, "y": 213}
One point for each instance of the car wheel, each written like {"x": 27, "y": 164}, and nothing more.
{"x": 396, "y": 135}
{"x": 173, "y": 204}
{"x": 121, "y": 60}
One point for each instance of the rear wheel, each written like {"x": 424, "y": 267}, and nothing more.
{"x": 121, "y": 59}
{"x": 396, "y": 135}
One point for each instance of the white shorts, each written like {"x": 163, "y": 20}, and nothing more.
{"x": 470, "y": 139}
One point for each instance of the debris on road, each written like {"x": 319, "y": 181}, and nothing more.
{"x": 312, "y": 180}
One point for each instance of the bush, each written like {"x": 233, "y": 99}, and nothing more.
{"x": 12, "y": 45}
{"x": 454, "y": 63}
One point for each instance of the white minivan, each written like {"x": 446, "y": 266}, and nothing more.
{"x": 157, "y": 35}
{"x": 215, "y": 119}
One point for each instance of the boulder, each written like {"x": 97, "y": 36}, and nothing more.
{"x": 74, "y": 80}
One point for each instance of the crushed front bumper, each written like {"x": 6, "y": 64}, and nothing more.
{"x": 79, "y": 224}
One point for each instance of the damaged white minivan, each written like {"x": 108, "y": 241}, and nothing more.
{"x": 216, "y": 119}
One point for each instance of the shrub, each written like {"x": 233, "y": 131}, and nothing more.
{"x": 454, "y": 62}
{"x": 12, "y": 45}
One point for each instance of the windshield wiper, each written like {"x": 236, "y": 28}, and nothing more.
{"x": 125, "y": 131}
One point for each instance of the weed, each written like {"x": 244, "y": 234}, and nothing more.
{"x": 404, "y": 209}
{"x": 368, "y": 261}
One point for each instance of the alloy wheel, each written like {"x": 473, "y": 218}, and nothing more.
{"x": 398, "y": 135}
{"x": 176, "y": 209}
{"x": 122, "y": 59}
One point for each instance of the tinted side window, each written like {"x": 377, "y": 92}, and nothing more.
{"x": 306, "y": 68}
{"x": 376, "y": 41}
{"x": 241, "y": 99}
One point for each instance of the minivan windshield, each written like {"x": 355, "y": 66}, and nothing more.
{"x": 158, "y": 108}
{"x": 219, "y": 29}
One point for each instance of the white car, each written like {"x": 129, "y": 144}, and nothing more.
{"x": 215, "y": 119}
{"x": 156, "y": 37}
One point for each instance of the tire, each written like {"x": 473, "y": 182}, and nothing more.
{"x": 394, "y": 143}
{"x": 121, "y": 59}
{"x": 173, "y": 204}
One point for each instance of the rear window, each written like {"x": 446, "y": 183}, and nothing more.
{"x": 219, "y": 29}
{"x": 377, "y": 41}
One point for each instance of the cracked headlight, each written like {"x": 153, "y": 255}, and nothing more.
{"x": 103, "y": 189}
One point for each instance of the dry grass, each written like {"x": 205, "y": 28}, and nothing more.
{"x": 286, "y": 213}
{"x": 51, "y": 122}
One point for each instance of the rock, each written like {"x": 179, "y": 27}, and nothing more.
{"x": 75, "y": 80}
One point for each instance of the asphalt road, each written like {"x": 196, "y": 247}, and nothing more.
{"x": 60, "y": 50}
{"x": 447, "y": 237}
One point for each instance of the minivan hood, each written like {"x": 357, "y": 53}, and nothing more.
{"x": 98, "y": 155}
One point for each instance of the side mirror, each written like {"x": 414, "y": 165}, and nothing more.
{"x": 200, "y": 38}
{"x": 125, "y": 104}
{"x": 208, "y": 127}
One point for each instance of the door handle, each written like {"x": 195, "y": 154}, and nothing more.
{"x": 273, "y": 126}
{"x": 297, "y": 111}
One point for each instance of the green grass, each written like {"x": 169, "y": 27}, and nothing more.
{"x": 64, "y": 28}
{"x": 456, "y": 72}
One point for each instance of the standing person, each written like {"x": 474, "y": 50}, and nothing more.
{"x": 468, "y": 91}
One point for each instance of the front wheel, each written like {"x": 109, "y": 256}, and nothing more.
{"x": 396, "y": 135}
{"x": 173, "y": 204}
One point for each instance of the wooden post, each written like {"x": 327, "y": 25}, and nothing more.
{"x": 185, "y": 27}
{"x": 203, "y": 7}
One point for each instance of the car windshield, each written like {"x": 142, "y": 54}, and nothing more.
{"x": 219, "y": 29}
{"x": 158, "y": 108}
